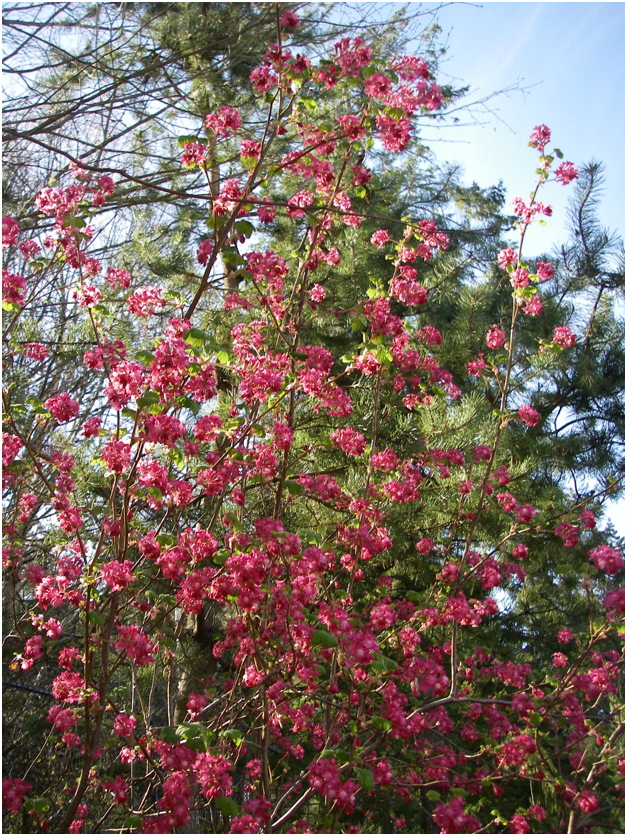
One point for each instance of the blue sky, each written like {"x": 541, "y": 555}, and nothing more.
{"x": 570, "y": 60}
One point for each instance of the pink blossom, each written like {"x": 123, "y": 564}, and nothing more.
{"x": 368, "y": 363}
{"x": 204, "y": 252}
{"x": 352, "y": 55}
{"x": 282, "y": 435}
{"x": 385, "y": 461}
{"x": 124, "y": 725}
{"x": 36, "y": 351}
{"x": 116, "y": 456}
{"x": 119, "y": 788}
{"x": 194, "y": 153}
{"x": 88, "y": 296}
{"x": 13, "y": 288}
{"x": 525, "y": 513}
{"x": 559, "y": 660}
{"x": 350, "y": 441}
{"x": 266, "y": 212}
{"x": 587, "y": 802}
{"x": 395, "y": 133}
{"x": 615, "y": 601}
{"x": 33, "y": 650}
{"x": 606, "y": 558}
{"x": 62, "y": 719}
{"x": 507, "y": 257}
{"x": 564, "y": 336}
{"x": 146, "y": 301}
{"x": 566, "y": 172}
{"x": 249, "y": 149}
{"x": 520, "y": 552}
{"x": 62, "y": 407}
{"x": 377, "y": 85}
{"x": 116, "y": 575}
{"x": 565, "y": 635}
{"x": 430, "y": 334}
{"x": 495, "y": 338}
{"x": 534, "y": 306}
{"x": 298, "y": 202}
{"x": 317, "y": 293}
{"x": 424, "y": 546}
{"x": 537, "y": 811}
{"x": 13, "y": 792}
{"x": 10, "y": 231}
{"x": 451, "y": 817}
{"x": 213, "y": 775}
{"x": 408, "y": 291}
{"x": 588, "y": 519}
{"x": 11, "y": 444}
{"x": 263, "y": 79}
{"x": 352, "y": 127}
{"x": 545, "y": 270}
{"x": 195, "y": 705}
{"x": 476, "y": 366}
{"x": 540, "y": 137}
{"x": 137, "y": 646}
{"x": 289, "y": 20}
{"x": 528, "y": 415}
{"x": 163, "y": 428}
{"x": 519, "y": 278}
{"x": 91, "y": 427}
{"x": 29, "y": 249}
{"x": 361, "y": 175}
{"x": 410, "y": 68}
{"x": 519, "y": 825}
{"x": 224, "y": 123}
{"x": 380, "y": 238}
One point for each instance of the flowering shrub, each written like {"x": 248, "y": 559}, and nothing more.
{"x": 240, "y": 486}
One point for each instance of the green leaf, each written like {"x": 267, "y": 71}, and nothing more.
{"x": 40, "y": 804}
{"x": 323, "y": 638}
{"x": 144, "y": 356}
{"x": 184, "y": 140}
{"x": 294, "y": 488}
{"x": 196, "y": 337}
{"x": 433, "y": 796}
{"x": 133, "y": 821}
{"x": 10, "y": 307}
{"x": 234, "y": 735}
{"x": 309, "y": 103}
{"x": 413, "y": 596}
{"x": 244, "y": 227}
{"x": 227, "y": 806}
{"x": 165, "y": 540}
{"x": 361, "y": 191}
{"x": 168, "y": 735}
{"x": 148, "y": 399}
{"x": 96, "y": 618}
{"x": 365, "y": 777}
{"x": 381, "y": 723}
